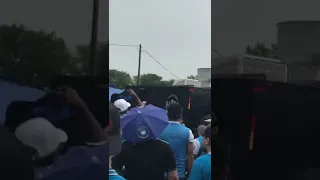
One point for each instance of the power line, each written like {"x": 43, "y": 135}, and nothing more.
{"x": 136, "y": 46}
{"x": 216, "y": 51}
{"x": 160, "y": 64}
{"x": 125, "y": 45}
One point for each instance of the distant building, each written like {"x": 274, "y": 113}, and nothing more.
{"x": 204, "y": 76}
{"x": 298, "y": 46}
{"x": 182, "y": 82}
{"x": 274, "y": 69}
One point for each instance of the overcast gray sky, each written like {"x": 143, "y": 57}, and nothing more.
{"x": 236, "y": 24}
{"x": 175, "y": 32}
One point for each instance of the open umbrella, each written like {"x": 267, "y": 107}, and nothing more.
{"x": 114, "y": 91}
{"x": 141, "y": 124}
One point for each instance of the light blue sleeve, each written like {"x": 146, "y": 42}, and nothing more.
{"x": 116, "y": 178}
{"x": 195, "y": 171}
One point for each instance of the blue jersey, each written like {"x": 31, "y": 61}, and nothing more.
{"x": 113, "y": 175}
{"x": 177, "y": 136}
{"x": 200, "y": 140}
{"x": 201, "y": 168}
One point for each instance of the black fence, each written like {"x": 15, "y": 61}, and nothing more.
{"x": 287, "y": 126}
{"x": 200, "y": 100}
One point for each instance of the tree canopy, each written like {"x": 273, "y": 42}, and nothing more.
{"x": 35, "y": 57}
{"x": 192, "y": 77}
{"x": 260, "y": 49}
{"x": 119, "y": 78}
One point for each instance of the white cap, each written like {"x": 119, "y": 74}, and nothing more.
{"x": 122, "y": 104}
{"x": 40, "y": 134}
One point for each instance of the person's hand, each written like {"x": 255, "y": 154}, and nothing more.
{"x": 131, "y": 91}
{"x": 72, "y": 97}
{"x": 110, "y": 161}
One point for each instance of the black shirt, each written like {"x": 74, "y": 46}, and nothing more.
{"x": 145, "y": 161}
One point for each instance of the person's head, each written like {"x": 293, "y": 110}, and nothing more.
{"x": 113, "y": 131}
{"x": 44, "y": 138}
{"x": 201, "y": 129}
{"x": 122, "y": 105}
{"x": 15, "y": 159}
{"x": 172, "y": 99}
{"x": 174, "y": 112}
{"x": 206, "y": 140}
{"x": 206, "y": 119}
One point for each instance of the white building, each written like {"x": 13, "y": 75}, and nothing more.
{"x": 182, "y": 82}
{"x": 274, "y": 69}
{"x": 204, "y": 76}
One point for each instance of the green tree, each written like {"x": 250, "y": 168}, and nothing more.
{"x": 119, "y": 78}
{"x": 167, "y": 83}
{"x": 148, "y": 79}
{"x": 192, "y": 77}
{"x": 83, "y": 57}
{"x": 103, "y": 60}
{"x": 260, "y": 49}
{"x": 32, "y": 56}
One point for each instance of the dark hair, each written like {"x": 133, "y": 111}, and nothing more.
{"x": 172, "y": 99}
{"x": 205, "y": 117}
{"x": 174, "y": 111}
{"x": 208, "y": 133}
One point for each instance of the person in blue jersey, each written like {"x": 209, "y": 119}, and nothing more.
{"x": 201, "y": 169}
{"x": 197, "y": 144}
{"x": 180, "y": 139}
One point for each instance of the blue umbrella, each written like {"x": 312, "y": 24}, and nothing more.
{"x": 114, "y": 91}
{"x": 141, "y": 124}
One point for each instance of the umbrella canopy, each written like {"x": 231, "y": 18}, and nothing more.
{"x": 141, "y": 124}
{"x": 114, "y": 91}
{"x": 10, "y": 92}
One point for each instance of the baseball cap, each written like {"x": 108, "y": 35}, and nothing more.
{"x": 39, "y": 134}
{"x": 114, "y": 137}
{"x": 201, "y": 129}
{"x": 174, "y": 111}
{"x": 122, "y": 104}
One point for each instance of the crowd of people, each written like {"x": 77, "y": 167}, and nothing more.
{"x": 142, "y": 143}
{"x": 171, "y": 154}
{"x": 39, "y": 148}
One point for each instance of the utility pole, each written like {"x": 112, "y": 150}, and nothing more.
{"x": 139, "y": 65}
{"x": 94, "y": 37}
